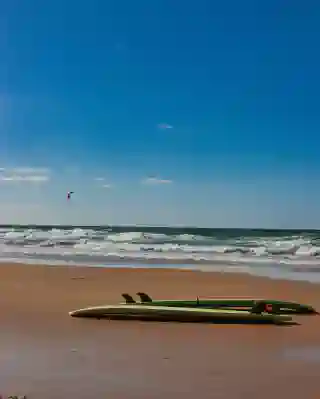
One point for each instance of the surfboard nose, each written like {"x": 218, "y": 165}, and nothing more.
{"x": 308, "y": 309}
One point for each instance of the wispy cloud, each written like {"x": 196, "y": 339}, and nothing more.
{"x": 155, "y": 180}
{"x": 25, "y": 170}
{"x": 24, "y": 174}
{"x": 164, "y": 126}
{"x": 102, "y": 182}
{"x": 29, "y": 178}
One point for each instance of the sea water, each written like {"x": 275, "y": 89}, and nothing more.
{"x": 288, "y": 254}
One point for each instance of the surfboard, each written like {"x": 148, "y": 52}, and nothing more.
{"x": 180, "y": 314}
{"x": 232, "y": 303}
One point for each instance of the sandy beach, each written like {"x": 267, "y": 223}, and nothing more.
{"x": 44, "y": 353}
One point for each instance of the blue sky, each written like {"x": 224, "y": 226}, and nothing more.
{"x": 216, "y": 101}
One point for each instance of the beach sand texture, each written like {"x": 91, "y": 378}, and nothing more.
{"x": 44, "y": 353}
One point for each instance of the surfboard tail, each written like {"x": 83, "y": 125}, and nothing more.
{"x": 144, "y": 297}
{"x": 128, "y": 298}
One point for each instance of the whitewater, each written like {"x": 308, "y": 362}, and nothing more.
{"x": 284, "y": 254}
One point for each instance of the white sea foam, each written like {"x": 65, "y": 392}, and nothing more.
{"x": 290, "y": 256}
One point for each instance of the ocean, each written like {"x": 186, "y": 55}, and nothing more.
{"x": 284, "y": 254}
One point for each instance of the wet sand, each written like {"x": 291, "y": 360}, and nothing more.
{"x": 44, "y": 353}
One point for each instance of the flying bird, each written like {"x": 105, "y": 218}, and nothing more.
{"x": 69, "y": 193}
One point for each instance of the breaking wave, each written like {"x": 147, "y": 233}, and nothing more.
{"x": 253, "y": 250}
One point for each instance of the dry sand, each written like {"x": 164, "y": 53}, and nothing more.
{"x": 44, "y": 353}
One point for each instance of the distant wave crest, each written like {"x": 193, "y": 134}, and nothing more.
{"x": 103, "y": 245}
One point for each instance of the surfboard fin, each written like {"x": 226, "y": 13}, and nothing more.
{"x": 128, "y": 298}
{"x": 144, "y": 297}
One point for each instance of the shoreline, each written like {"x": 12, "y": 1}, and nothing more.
{"x": 46, "y": 353}
{"x": 272, "y": 273}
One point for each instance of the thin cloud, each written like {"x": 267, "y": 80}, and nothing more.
{"x": 24, "y": 174}
{"x": 102, "y": 180}
{"x": 155, "y": 180}
{"x": 29, "y": 178}
{"x": 25, "y": 171}
{"x": 164, "y": 126}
